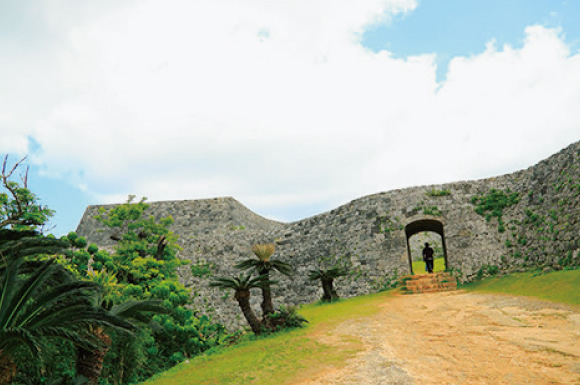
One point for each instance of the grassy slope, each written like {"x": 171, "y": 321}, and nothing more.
{"x": 280, "y": 359}
{"x": 419, "y": 266}
{"x": 558, "y": 286}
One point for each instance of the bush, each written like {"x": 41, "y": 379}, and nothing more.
{"x": 285, "y": 318}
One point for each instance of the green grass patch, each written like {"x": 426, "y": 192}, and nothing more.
{"x": 281, "y": 358}
{"x": 558, "y": 286}
{"x": 438, "y": 265}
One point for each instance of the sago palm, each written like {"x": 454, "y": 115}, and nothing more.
{"x": 89, "y": 361}
{"x": 33, "y": 308}
{"x": 263, "y": 264}
{"x": 327, "y": 277}
{"x": 242, "y": 285}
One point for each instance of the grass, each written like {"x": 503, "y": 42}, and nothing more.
{"x": 288, "y": 357}
{"x": 558, "y": 286}
{"x": 438, "y": 265}
{"x": 282, "y": 358}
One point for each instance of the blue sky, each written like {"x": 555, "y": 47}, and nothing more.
{"x": 462, "y": 28}
{"x": 291, "y": 107}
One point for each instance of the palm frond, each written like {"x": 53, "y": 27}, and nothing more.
{"x": 265, "y": 266}
{"x": 12, "y": 338}
{"x": 78, "y": 336}
{"x": 7, "y": 284}
{"x": 261, "y": 281}
{"x": 13, "y": 245}
{"x": 25, "y": 290}
{"x": 282, "y": 267}
{"x": 315, "y": 274}
{"x": 139, "y": 310}
{"x": 75, "y": 290}
{"x": 334, "y": 272}
{"x": 242, "y": 282}
{"x": 225, "y": 283}
{"x": 253, "y": 264}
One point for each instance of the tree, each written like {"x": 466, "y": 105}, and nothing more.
{"x": 40, "y": 297}
{"x": 37, "y": 297}
{"x": 19, "y": 207}
{"x": 327, "y": 277}
{"x": 145, "y": 264}
{"x": 242, "y": 285}
{"x": 146, "y": 249}
{"x": 263, "y": 265}
{"x": 21, "y": 218}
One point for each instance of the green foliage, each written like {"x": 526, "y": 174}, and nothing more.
{"x": 487, "y": 270}
{"x": 47, "y": 304}
{"x": 324, "y": 274}
{"x": 241, "y": 282}
{"x": 438, "y": 265}
{"x": 242, "y": 285}
{"x": 285, "y": 318}
{"x": 19, "y": 207}
{"x": 569, "y": 261}
{"x": 493, "y": 203}
{"x": 254, "y": 360}
{"x": 331, "y": 267}
{"x": 202, "y": 269}
{"x": 263, "y": 264}
{"x": 438, "y": 193}
{"x": 389, "y": 281}
{"x": 146, "y": 253}
{"x": 567, "y": 181}
{"x": 387, "y": 225}
{"x": 433, "y": 210}
{"x": 559, "y": 286}
{"x": 143, "y": 268}
{"x": 428, "y": 210}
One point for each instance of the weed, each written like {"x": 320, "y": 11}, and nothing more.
{"x": 492, "y": 204}
{"x": 438, "y": 193}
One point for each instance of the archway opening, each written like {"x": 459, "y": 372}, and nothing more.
{"x": 419, "y": 232}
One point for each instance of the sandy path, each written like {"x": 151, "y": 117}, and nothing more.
{"x": 460, "y": 338}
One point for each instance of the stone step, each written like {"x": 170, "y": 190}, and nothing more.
{"x": 428, "y": 283}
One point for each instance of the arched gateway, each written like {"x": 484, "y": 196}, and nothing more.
{"x": 424, "y": 225}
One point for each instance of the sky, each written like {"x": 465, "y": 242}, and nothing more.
{"x": 293, "y": 107}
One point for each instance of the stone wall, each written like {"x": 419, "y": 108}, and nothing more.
{"x": 542, "y": 229}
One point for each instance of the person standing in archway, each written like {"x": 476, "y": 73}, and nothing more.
{"x": 428, "y": 258}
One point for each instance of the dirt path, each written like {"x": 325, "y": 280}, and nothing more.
{"x": 460, "y": 338}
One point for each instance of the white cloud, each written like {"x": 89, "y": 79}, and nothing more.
{"x": 277, "y": 103}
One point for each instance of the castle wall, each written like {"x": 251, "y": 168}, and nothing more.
{"x": 542, "y": 229}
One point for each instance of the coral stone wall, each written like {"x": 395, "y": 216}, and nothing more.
{"x": 541, "y": 229}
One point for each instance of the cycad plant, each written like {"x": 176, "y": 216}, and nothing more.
{"x": 33, "y": 308}
{"x": 263, "y": 264}
{"x": 89, "y": 361}
{"x": 327, "y": 277}
{"x": 242, "y": 285}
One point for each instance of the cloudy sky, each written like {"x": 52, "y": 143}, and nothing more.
{"x": 293, "y": 107}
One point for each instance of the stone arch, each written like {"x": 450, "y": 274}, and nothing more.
{"x": 420, "y": 225}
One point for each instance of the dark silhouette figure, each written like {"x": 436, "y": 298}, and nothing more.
{"x": 428, "y": 258}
